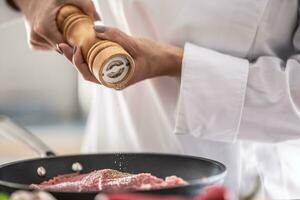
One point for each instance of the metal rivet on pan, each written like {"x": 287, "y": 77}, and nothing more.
{"x": 41, "y": 171}
{"x": 77, "y": 167}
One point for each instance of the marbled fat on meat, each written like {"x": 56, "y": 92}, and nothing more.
{"x": 108, "y": 180}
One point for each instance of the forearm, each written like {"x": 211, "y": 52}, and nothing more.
{"x": 172, "y": 60}
{"x": 160, "y": 58}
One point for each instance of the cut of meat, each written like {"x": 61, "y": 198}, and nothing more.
{"x": 131, "y": 182}
{"x": 108, "y": 180}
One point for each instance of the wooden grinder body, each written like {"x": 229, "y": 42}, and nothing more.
{"x": 108, "y": 61}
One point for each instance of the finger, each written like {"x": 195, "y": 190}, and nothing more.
{"x": 82, "y": 67}
{"x": 52, "y": 37}
{"x": 49, "y": 32}
{"x": 97, "y": 16}
{"x": 47, "y": 28}
{"x": 34, "y": 46}
{"x": 38, "y": 46}
{"x": 110, "y": 33}
{"x": 36, "y": 40}
{"x": 115, "y": 35}
{"x": 67, "y": 51}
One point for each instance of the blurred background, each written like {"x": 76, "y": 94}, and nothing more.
{"x": 41, "y": 91}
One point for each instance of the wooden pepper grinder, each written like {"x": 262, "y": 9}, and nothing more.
{"x": 108, "y": 61}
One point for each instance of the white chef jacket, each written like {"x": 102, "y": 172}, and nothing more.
{"x": 238, "y": 97}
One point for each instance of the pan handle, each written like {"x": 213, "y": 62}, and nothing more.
{"x": 20, "y": 134}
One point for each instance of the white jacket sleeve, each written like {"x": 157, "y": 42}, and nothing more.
{"x": 225, "y": 98}
{"x": 6, "y": 13}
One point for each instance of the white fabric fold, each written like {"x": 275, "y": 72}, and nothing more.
{"x": 212, "y": 92}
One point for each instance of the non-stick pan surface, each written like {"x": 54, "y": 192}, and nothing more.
{"x": 199, "y": 172}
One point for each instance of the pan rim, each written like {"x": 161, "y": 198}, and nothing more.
{"x": 201, "y": 181}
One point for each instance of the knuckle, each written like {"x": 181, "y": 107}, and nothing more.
{"x": 114, "y": 31}
{"x": 33, "y": 36}
{"x": 117, "y": 33}
{"x": 38, "y": 29}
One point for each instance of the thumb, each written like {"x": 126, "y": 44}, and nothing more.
{"x": 117, "y": 36}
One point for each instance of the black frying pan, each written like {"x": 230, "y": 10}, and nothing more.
{"x": 199, "y": 172}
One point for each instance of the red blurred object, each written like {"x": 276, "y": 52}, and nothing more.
{"x": 214, "y": 193}
{"x": 210, "y": 193}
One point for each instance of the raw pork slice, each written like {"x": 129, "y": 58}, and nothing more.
{"x": 108, "y": 180}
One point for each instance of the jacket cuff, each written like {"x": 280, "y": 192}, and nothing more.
{"x": 211, "y": 99}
